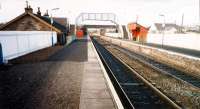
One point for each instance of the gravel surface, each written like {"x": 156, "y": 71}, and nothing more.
{"x": 45, "y": 81}
{"x": 183, "y": 93}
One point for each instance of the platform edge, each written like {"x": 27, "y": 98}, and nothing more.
{"x": 115, "y": 97}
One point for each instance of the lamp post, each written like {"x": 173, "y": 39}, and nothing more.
{"x": 0, "y": 6}
{"x": 54, "y": 9}
{"x": 69, "y": 18}
{"x": 199, "y": 17}
{"x": 163, "y": 26}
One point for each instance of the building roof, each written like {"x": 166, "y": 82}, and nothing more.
{"x": 55, "y": 23}
{"x": 57, "y": 26}
{"x": 1, "y": 24}
{"x": 168, "y": 26}
{"x": 135, "y": 24}
{"x": 61, "y": 20}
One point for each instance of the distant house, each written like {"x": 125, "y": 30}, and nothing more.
{"x": 169, "y": 28}
{"x": 28, "y": 21}
{"x": 139, "y": 32}
{"x": 192, "y": 28}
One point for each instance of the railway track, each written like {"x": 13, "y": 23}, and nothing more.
{"x": 162, "y": 67}
{"x": 134, "y": 91}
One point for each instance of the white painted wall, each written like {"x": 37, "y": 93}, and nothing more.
{"x": 18, "y": 43}
{"x": 189, "y": 40}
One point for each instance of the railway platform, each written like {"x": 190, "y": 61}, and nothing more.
{"x": 185, "y": 51}
{"x": 72, "y": 78}
{"x": 95, "y": 93}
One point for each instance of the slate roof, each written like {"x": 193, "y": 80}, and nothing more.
{"x": 47, "y": 19}
{"x": 61, "y": 20}
{"x": 1, "y": 24}
{"x": 168, "y": 26}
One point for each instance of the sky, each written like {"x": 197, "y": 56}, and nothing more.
{"x": 148, "y": 11}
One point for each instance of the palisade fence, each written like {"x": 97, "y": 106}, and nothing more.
{"x": 18, "y": 43}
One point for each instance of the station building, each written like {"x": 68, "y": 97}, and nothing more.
{"x": 28, "y": 21}
{"x": 139, "y": 32}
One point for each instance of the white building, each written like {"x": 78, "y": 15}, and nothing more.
{"x": 158, "y": 28}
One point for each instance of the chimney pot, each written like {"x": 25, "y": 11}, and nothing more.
{"x": 39, "y": 12}
{"x": 28, "y": 9}
{"x": 46, "y": 14}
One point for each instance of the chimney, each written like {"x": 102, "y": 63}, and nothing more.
{"x": 28, "y": 8}
{"x": 39, "y": 12}
{"x": 46, "y": 14}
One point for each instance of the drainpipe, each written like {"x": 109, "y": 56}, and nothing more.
{"x": 1, "y": 55}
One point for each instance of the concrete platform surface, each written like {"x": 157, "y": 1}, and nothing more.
{"x": 94, "y": 91}
{"x": 185, "y": 51}
{"x": 69, "y": 79}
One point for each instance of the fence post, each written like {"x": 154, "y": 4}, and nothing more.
{"x": 1, "y": 54}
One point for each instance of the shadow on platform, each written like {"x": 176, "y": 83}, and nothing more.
{"x": 76, "y": 52}
{"x": 22, "y": 86}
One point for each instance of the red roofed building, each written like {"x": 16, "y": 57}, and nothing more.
{"x": 139, "y": 32}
